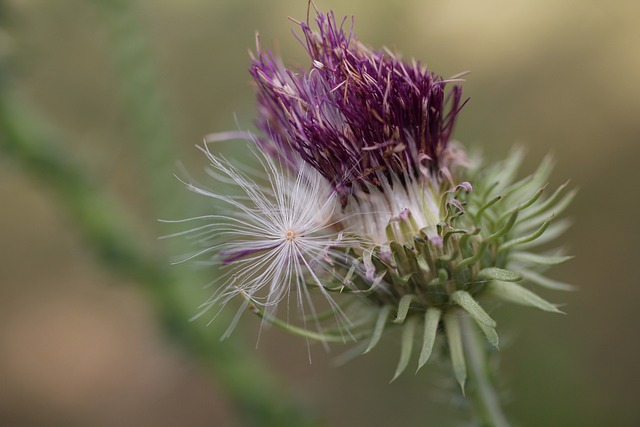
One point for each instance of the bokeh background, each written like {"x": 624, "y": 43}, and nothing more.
{"x": 80, "y": 345}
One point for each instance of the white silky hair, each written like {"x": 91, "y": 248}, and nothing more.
{"x": 277, "y": 241}
{"x": 376, "y": 208}
{"x": 283, "y": 234}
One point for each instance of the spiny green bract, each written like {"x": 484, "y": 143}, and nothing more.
{"x": 484, "y": 248}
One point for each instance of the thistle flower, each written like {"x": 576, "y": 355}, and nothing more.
{"x": 370, "y": 204}
{"x": 362, "y": 118}
{"x": 276, "y": 239}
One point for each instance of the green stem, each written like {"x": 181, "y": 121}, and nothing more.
{"x": 481, "y": 392}
{"x": 143, "y": 101}
{"x": 258, "y": 397}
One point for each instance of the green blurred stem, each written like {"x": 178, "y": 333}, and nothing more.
{"x": 258, "y": 398}
{"x": 143, "y": 101}
{"x": 481, "y": 393}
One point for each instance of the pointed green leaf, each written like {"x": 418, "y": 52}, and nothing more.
{"x": 524, "y": 205}
{"x": 548, "y": 203}
{"x": 400, "y": 257}
{"x": 312, "y": 335}
{"x": 403, "y": 308}
{"x": 423, "y": 265}
{"x": 515, "y": 293}
{"x": 545, "y": 282}
{"x": 555, "y": 209}
{"x": 518, "y": 190}
{"x": 390, "y": 231}
{"x": 494, "y": 273}
{"x": 414, "y": 267}
{"x": 471, "y": 306}
{"x": 553, "y": 231}
{"x": 505, "y": 171}
{"x": 328, "y": 314}
{"x": 533, "y": 258}
{"x": 507, "y": 227}
{"x": 406, "y": 345}
{"x": 454, "y": 338}
{"x": 483, "y": 378}
{"x": 532, "y": 199}
{"x": 490, "y": 333}
{"x": 381, "y": 321}
{"x": 431, "y": 320}
{"x": 483, "y": 208}
{"x": 486, "y": 323}
{"x": 525, "y": 239}
{"x": 472, "y": 259}
{"x": 543, "y": 172}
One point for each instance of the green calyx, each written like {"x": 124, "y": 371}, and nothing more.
{"x": 482, "y": 250}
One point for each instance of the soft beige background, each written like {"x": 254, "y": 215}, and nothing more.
{"x": 78, "y": 347}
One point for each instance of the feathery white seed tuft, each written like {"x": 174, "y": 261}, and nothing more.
{"x": 280, "y": 238}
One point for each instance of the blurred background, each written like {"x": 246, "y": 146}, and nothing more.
{"x": 81, "y": 344}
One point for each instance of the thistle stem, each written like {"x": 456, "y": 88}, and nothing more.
{"x": 142, "y": 100}
{"x": 256, "y": 394}
{"x": 482, "y": 395}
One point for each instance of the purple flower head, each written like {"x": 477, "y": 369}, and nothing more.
{"x": 358, "y": 116}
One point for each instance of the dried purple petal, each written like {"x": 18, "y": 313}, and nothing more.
{"x": 358, "y": 115}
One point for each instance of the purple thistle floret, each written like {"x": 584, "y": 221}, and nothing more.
{"x": 358, "y": 116}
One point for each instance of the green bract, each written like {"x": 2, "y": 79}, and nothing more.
{"x": 483, "y": 251}
{"x": 365, "y": 204}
